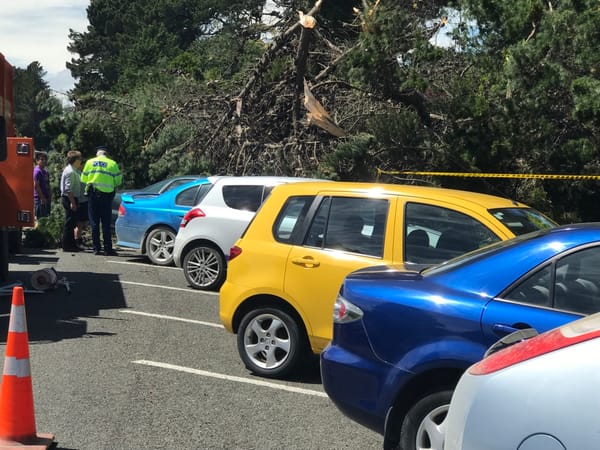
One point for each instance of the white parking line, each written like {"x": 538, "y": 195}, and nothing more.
{"x": 143, "y": 264}
{"x": 167, "y": 287}
{"x": 232, "y": 378}
{"x": 179, "y": 319}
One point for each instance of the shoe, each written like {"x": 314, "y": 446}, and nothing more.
{"x": 80, "y": 246}
{"x": 98, "y": 252}
{"x": 111, "y": 253}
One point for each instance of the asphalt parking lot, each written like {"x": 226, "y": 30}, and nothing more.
{"x": 133, "y": 358}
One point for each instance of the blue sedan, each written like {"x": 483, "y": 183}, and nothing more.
{"x": 148, "y": 219}
{"x": 402, "y": 339}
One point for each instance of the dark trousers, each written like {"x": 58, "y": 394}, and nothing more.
{"x": 41, "y": 210}
{"x": 68, "y": 237}
{"x": 100, "y": 212}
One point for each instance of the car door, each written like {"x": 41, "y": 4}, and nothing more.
{"x": 561, "y": 290}
{"x": 501, "y": 318}
{"x": 345, "y": 233}
{"x": 432, "y": 231}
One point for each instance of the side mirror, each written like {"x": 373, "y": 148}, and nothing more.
{"x": 511, "y": 339}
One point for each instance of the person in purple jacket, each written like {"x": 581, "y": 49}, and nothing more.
{"x": 41, "y": 186}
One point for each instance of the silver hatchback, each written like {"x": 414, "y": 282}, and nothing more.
{"x": 538, "y": 394}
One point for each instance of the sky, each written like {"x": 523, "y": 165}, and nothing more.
{"x": 38, "y": 30}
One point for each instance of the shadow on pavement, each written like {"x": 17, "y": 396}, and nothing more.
{"x": 56, "y": 314}
{"x": 39, "y": 258}
{"x": 309, "y": 373}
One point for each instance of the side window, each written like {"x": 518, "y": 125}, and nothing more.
{"x": 577, "y": 284}
{"x": 266, "y": 192}
{"x": 247, "y": 198}
{"x": 204, "y": 189}
{"x": 535, "y": 290}
{"x": 433, "y": 234}
{"x": 187, "y": 197}
{"x": 351, "y": 224}
{"x": 291, "y": 218}
{"x": 574, "y": 287}
{"x": 316, "y": 232}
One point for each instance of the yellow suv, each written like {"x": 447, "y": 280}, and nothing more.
{"x": 285, "y": 271}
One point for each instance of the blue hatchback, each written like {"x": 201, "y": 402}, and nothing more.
{"x": 148, "y": 219}
{"x": 402, "y": 339}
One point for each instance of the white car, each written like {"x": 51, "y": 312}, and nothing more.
{"x": 539, "y": 394}
{"x": 209, "y": 230}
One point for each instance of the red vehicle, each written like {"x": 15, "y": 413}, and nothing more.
{"x": 16, "y": 169}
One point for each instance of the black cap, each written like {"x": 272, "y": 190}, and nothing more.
{"x": 102, "y": 147}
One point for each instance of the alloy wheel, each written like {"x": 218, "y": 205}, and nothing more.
{"x": 267, "y": 341}
{"x": 204, "y": 268}
{"x": 159, "y": 246}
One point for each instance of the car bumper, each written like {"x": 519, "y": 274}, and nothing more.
{"x": 128, "y": 236}
{"x": 230, "y": 297}
{"x": 539, "y": 403}
{"x": 181, "y": 241}
{"x": 459, "y": 411}
{"x": 177, "y": 259}
{"x": 356, "y": 385}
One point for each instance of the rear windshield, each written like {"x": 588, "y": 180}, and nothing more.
{"x": 165, "y": 185}
{"x": 522, "y": 220}
{"x": 244, "y": 197}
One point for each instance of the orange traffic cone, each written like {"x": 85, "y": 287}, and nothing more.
{"x": 17, "y": 418}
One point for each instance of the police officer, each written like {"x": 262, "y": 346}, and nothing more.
{"x": 101, "y": 176}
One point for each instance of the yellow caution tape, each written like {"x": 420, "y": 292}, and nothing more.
{"x": 492, "y": 175}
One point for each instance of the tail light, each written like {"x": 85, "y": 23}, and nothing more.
{"x": 570, "y": 334}
{"x": 191, "y": 214}
{"x": 344, "y": 311}
{"x": 234, "y": 251}
{"x": 122, "y": 210}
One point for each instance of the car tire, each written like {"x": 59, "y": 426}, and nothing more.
{"x": 271, "y": 343}
{"x": 160, "y": 243}
{"x": 423, "y": 425}
{"x": 204, "y": 267}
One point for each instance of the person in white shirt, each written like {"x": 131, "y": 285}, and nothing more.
{"x": 70, "y": 191}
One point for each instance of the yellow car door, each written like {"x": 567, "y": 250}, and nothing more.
{"x": 347, "y": 232}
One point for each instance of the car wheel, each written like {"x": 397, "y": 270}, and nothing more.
{"x": 159, "y": 246}
{"x": 270, "y": 342}
{"x": 204, "y": 267}
{"x": 424, "y": 425}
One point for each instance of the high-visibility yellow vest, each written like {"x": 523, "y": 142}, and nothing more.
{"x": 101, "y": 172}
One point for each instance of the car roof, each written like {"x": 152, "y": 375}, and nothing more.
{"x": 201, "y": 179}
{"x": 489, "y": 201}
{"x": 257, "y": 179}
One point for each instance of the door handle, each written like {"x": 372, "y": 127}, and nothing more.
{"x": 306, "y": 261}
